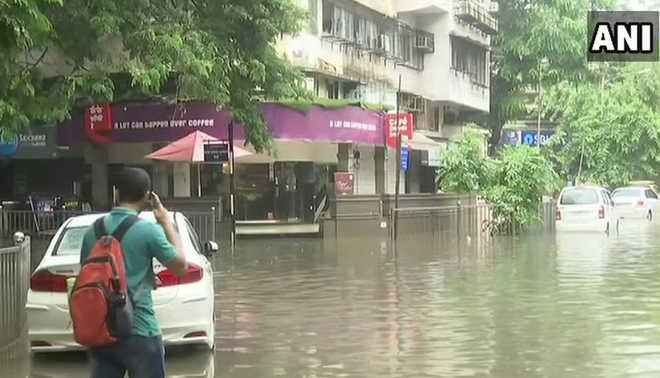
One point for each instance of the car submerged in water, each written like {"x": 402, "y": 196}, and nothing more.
{"x": 586, "y": 209}
{"x": 636, "y": 202}
{"x": 184, "y": 305}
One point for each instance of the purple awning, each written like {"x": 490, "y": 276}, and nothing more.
{"x": 144, "y": 122}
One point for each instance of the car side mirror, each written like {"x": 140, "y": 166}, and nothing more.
{"x": 211, "y": 248}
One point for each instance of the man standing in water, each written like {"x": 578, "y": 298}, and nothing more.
{"x": 142, "y": 354}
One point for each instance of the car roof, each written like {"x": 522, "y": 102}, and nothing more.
{"x": 88, "y": 219}
{"x": 633, "y": 187}
{"x": 593, "y": 187}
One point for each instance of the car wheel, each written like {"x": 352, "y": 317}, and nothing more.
{"x": 649, "y": 216}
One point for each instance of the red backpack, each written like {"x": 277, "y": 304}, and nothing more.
{"x": 100, "y": 307}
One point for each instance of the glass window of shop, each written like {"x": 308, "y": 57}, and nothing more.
{"x": 282, "y": 191}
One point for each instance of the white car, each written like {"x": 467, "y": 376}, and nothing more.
{"x": 586, "y": 208}
{"x": 636, "y": 202}
{"x": 184, "y": 306}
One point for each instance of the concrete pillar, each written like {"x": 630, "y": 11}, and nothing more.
{"x": 379, "y": 169}
{"x": 161, "y": 178}
{"x": 182, "y": 180}
{"x": 97, "y": 157}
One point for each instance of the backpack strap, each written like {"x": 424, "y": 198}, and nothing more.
{"x": 99, "y": 228}
{"x": 124, "y": 226}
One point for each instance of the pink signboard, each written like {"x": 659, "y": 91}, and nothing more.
{"x": 154, "y": 122}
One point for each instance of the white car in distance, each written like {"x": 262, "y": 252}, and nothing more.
{"x": 184, "y": 305}
{"x": 586, "y": 208}
{"x": 636, "y": 202}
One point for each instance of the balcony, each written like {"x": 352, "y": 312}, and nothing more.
{"x": 423, "y": 7}
{"x": 474, "y": 14}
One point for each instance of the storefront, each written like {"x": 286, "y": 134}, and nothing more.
{"x": 288, "y": 185}
{"x": 33, "y": 166}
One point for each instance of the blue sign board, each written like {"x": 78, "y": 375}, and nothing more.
{"x": 8, "y": 146}
{"x": 530, "y": 137}
{"x": 405, "y": 154}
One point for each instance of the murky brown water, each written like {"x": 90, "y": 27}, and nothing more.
{"x": 553, "y": 306}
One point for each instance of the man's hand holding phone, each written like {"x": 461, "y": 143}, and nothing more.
{"x": 160, "y": 212}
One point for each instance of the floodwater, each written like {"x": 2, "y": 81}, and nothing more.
{"x": 569, "y": 305}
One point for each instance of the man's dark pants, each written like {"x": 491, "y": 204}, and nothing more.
{"x": 141, "y": 357}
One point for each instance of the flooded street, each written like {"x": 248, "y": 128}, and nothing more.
{"x": 572, "y": 305}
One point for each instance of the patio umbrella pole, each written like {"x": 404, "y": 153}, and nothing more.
{"x": 199, "y": 180}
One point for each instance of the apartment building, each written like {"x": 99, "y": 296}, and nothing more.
{"x": 440, "y": 49}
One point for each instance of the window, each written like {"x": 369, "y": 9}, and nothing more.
{"x": 70, "y": 242}
{"x": 651, "y": 194}
{"x": 405, "y": 49}
{"x": 626, "y": 193}
{"x": 579, "y": 197}
{"x": 471, "y": 59}
{"x": 193, "y": 237}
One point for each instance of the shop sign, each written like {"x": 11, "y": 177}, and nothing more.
{"x": 405, "y": 127}
{"x": 154, "y": 122}
{"x": 344, "y": 183}
{"x": 98, "y": 123}
{"x": 531, "y": 137}
{"x": 216, "y": 152}
{"x": 8, "y": 146}
{"x": 405, "y": 158}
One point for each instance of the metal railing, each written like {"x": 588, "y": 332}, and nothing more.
{"x": 204, "y": 222}
{"x": 14, "y": 283}
{"x": 44, "y": 225}
{"x": 463, "y": 221}
{"x": 37, "y": 224}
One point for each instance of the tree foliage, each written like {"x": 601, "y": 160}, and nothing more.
{"x": 519, "y": 178}
{"x": 513, "y": 182}
{"x": 611, "y": 127}
{"x": 464, "y": 168}
{"x": 539, "y": 43}
{"x": 220, "y": 51}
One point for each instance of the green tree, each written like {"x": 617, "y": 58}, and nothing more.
{"x": 539, "y": 43}
{"x": 609, "y": 129}
{"x": 220, "y": 51}
{"x": 464, "y": 168}
{"x": 520, "y": 177}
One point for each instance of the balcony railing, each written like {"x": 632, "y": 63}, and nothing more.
{"x": 474, "y": 14}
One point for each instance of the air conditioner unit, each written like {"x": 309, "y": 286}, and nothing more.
{"x": 424, "y": 42}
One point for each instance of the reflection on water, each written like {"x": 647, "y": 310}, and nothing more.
{"x": 568, "y": 305}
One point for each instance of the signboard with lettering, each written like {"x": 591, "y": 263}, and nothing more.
{"x": 216, "y": 152}
{"x": 153, "y": 122}
{"x": 530, "y": 137}
{"x": 344, "y": 183}
{"x": 405, "y": 158}
{"x": 405, "y": 127}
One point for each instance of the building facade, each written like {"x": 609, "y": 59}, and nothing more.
{"x": 438, "y": 49}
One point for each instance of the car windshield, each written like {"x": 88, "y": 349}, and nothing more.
{"x": 626, "y": 193}
{"x": 70, "y": 242}
{"x": 579, "y": 197}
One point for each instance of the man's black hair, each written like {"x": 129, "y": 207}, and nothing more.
{"x": 132, "y": 184}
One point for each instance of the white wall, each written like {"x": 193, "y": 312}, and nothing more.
{"x": 365, "y": 179}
